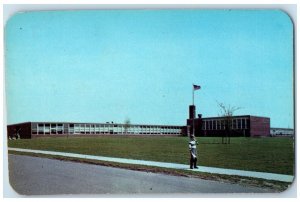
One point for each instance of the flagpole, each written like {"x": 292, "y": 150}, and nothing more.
{"x": 193, "y": 111}
{"x": 195, "y": 87}
{"x": 193, "y": 93}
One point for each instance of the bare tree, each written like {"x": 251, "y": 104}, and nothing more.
{"x": 126, "y": 125}
{"x": 227, "y": 114}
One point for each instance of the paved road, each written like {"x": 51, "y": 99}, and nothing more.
{"x": 41, "y": 176}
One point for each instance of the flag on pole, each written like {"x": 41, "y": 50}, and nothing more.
{"x": 196, "y": 87}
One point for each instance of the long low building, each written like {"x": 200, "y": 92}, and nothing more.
{"x": 40, "y": 129}
{"x": 282, "y": 132}
{"x": 237, "y": 126}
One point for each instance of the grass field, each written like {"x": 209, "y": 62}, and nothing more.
{"x": 275, "y": 155}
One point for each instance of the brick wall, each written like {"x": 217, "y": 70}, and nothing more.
{"x": 259, "y": 126}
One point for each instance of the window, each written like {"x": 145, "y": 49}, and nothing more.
{"x": 203, "y": 125}
{"x": 239, "y": 121}
{"x": 40, "y": 128}
{"x": 47, "y": 128}
{"x": 218, "y": 125}
{"x": 243, "y": 123}
{"x": 97, "y": 128}
{"x": 53, "y": 128}
{"x": 223, "y": 124}
{"x": 82, "y": 128}
{"x": 75, "y": 129}
{"x": 209, "y": 125}
{"x": 87, "y": 127}
{"x": 60, "y": 128}
{"x": 34, "y": 128}
{"x": 214, "y": 124}
{"x": 233, "y": 124}
{"x": 92, "y": 128}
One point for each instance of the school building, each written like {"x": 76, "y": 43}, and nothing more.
{"x": 240, "y": 126}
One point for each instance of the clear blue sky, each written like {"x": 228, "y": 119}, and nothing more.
{"x": 98, "y": 66}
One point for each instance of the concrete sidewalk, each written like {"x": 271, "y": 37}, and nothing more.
{"x": 262, "y": 175}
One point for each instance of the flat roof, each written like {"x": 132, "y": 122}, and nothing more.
{"x": 131, "y": 124}
{"x": 238, "y": 116}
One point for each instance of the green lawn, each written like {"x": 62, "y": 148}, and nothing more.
{"x": 274, "y": 155}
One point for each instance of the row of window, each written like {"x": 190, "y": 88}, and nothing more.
{"x": 220, "y": 124}
{"x": 102, "y": 129}
{"x": 115, "y": 126}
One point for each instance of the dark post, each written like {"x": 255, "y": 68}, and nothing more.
{"x": 192, "y": 112}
